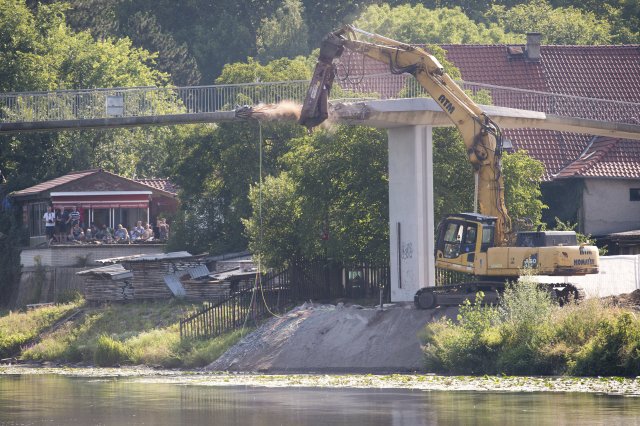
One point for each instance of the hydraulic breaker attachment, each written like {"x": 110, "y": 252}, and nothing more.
{"x": 315, "y": 106}
{"x": 245, "y": 111}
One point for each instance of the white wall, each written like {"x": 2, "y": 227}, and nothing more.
{"x": 410, "y": 205}
{"x": 606, "y": 207}
{"x": 68, "y": 255}
{"x": 618, "y": 275}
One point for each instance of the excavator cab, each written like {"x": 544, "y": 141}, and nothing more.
{"x": 461, "y": 237}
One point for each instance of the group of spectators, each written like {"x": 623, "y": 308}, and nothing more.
{"x": 66, "y": 226}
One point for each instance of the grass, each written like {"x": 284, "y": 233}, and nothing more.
{"x": 135, "y": 333}
{"x": 19, "y": 328}
{"x": 530, "y": 334}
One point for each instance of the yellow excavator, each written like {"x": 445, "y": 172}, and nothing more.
{"x": 481, "y": 245}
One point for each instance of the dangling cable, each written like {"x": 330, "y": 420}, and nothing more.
{"x": 258, "y": 279}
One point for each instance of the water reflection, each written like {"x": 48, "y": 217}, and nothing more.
{"x": 59, "y": 400}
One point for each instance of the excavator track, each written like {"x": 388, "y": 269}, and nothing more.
{"x": 457, "y": 294}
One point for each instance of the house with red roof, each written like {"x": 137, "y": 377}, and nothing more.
{"x": 100, "y": 196}
{"x": 592, "y": 181}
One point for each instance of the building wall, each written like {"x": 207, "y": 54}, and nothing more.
{"x": 74, "y": 255}
{"x": 606, "y": 207}
{"x": 47, "y": 284}
{"x": 618, "y": 275}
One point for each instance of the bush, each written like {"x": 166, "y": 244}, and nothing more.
{"x": 109, "y": 352}
{"x": 156, "y": 347}
{"x": 529, "y": 334}
{"x": 202, "y": 353}
{"x": 614, "y": 350}
{"x": 525, "y": 328}
{"x": 462, "y": 347}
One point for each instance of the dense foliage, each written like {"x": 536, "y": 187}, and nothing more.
{"x": 51, "y": 44}
{"x": 530, "y": 334}
{"x": 211, "y": 34}
{"x": 332, "y": 200}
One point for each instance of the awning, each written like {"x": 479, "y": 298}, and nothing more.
{"x": 101, "y": 199}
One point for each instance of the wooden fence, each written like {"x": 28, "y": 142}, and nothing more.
{"x": 276, "y": 291}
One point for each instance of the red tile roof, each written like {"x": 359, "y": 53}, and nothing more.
{"x": 604, "y": 72}
{"x": 606, "y": 157}
{"x": 158, "y": 183}
{"x": 493, "y": 65}
{"x": 50, "y": 184}
{"x": 155, "y": 183}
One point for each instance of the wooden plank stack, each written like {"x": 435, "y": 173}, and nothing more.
{"x": 205, "y": 289}
{"x": 148, "y": 281}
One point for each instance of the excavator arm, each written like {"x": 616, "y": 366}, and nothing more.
{"x": 481, "y": 136}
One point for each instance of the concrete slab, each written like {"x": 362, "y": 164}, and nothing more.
{"x": 392, "y": 113}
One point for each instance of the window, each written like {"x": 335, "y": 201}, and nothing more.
{"x": 469, "y": 245}
{"x": 36, "y": 224}
{"x": 634, "y": 194}
{"x": 487, "y": 237}
{"x": 452, "y": 239}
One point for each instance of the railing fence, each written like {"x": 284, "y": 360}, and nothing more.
{"x": 276, "y": 291}
{"x": 157, "y": 101}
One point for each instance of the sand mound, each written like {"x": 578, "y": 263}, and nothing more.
{"x": 334, "y": 338}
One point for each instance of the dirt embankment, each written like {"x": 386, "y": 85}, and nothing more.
{"x": 628, "y": 300}
{"x": 334, "y": 338}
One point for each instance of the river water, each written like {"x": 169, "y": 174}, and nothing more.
{"x": 64, "y": 400}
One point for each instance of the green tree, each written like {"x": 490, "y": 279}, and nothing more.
{"x": 417, "y": 24}
{"x": 452, "y": 174}
{"x": 284, "y": 34}
{"x": 522, "y": 178}
{"x": 173, "y": 58}
{"x": 50, "y": 56}
{"x": 557, "y": 25}
{"x": 276, "y": 230}
{"x": 11, "y": 239}
{"x": 336, "y": 188}
{"x": 215, "y": 166}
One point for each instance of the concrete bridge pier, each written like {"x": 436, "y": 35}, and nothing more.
{"x": 411, "y": 216}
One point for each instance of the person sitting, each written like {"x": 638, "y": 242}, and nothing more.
{"x": 121, "y": 235}
{"x": 148, "y": 233}
{"x": 89, "y": 236}
{"x": 104, "y": 234}
{"x": 137, "y": 232}
{"x": 76, "y": 233}
{"x": 94, "y": 230}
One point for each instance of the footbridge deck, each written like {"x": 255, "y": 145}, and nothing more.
{"x": 153, "y": 106}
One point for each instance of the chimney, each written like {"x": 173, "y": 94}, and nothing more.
{"x": 533, "y": 46}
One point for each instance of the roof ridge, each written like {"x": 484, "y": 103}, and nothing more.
{"x": 589, "y": 158}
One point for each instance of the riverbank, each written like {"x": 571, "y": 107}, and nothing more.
{"x": 601, "y": 385}
{"x": 118, "y": 334}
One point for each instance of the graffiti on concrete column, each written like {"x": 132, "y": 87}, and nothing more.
{"x": 406, "y": 251}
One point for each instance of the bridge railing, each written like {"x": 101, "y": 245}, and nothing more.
{"x": 153, "y": 101}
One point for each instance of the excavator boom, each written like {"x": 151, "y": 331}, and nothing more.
{"x": 472, "y": 243}
{"x": 481, "y": 136}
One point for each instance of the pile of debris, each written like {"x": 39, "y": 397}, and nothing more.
{"x": 334, "y": 338}
{"x": 628, "y": 300}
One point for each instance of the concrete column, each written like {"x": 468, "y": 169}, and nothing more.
{"x": 411, "y": 214}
